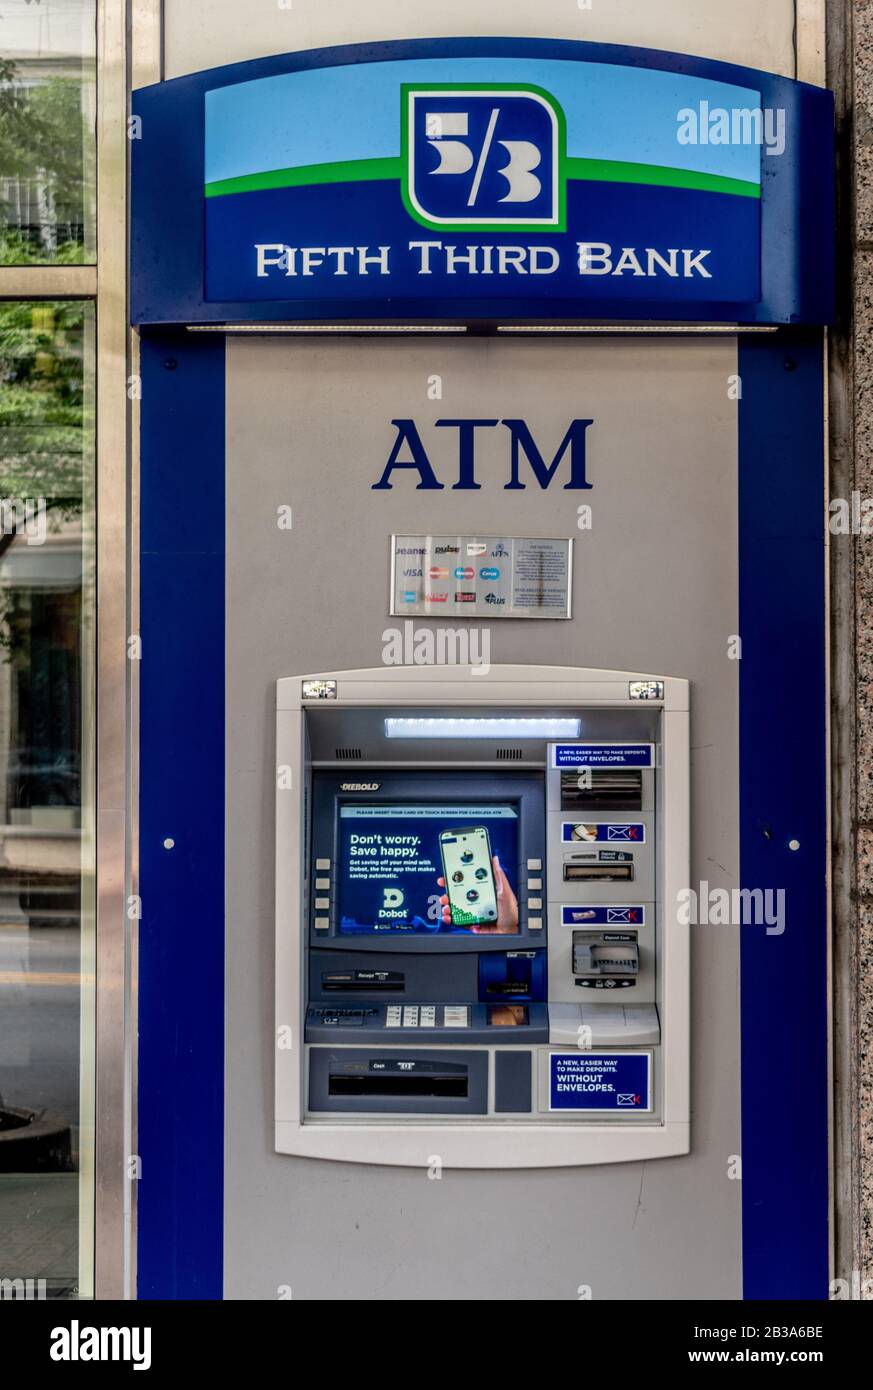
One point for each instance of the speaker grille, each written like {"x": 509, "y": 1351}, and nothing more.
{"x": 509, "y": 755}
{"x": 347, "y": 755}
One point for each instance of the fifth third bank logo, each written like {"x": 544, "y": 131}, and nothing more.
{"x": 483, "y": 158}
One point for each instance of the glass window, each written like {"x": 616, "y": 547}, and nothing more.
{"x": 47, "y": 132}
{"x": 46, "y": 795}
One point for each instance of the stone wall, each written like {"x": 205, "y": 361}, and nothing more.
{"x": 850, "y": 74}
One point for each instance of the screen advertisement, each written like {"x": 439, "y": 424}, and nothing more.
{"x": 420, "y": 869}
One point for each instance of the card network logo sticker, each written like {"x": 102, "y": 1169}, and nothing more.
{"x": 483, "y": 158}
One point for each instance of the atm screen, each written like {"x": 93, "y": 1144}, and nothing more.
{"x": 392, "y": 858}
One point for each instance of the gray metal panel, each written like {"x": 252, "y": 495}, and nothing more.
{"x": 654, "y": 589}
{"x": 206, "y": 33}
{"x": 512, "y": 1082}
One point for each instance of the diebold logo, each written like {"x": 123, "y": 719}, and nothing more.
{"x": 360, "y": 786}
{"x": 483, "y": 158}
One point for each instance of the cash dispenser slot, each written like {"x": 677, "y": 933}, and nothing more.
{"x": 407, "y": 1080}
{"x": 399, "y": 1078}
{"x": 602, "y": 789}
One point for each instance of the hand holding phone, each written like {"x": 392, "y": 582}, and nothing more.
{"x": 478, "y": 895}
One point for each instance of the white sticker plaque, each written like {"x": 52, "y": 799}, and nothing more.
{"x": 453, "y": 577}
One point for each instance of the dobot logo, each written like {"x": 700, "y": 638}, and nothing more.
{"x": 483, "y": 158}
{"x": 392, "y": 904}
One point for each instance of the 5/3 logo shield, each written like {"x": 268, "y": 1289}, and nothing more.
{"x": 483, "y": 158}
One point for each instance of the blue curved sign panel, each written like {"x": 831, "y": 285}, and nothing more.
{"x": 483, "y": 179}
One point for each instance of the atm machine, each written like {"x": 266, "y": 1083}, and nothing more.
{"x": 479, "y": 957}
{"x": 415, "y": 983}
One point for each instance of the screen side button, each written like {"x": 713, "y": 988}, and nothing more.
{"x": 531, "y": 863}
{"x": 325, "y": 864}
{"x": 534, "y": 923}
{"x": 322, "y": 924}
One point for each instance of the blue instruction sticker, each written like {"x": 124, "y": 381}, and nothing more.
{"x": 603, "y": 755}
{"x": 598, "y": 832}
{"x": 600, "y": 1081}
{"x": 603, "y": 915}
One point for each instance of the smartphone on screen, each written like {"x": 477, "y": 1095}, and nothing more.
{"x": 469, "y": 876}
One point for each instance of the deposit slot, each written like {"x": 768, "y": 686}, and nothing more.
{"x": 601, "y": 873}
{"x": 602, "y": 789}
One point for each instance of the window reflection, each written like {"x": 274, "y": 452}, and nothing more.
{"x": 46, "y": 445}
{"x": 47, "y": 131}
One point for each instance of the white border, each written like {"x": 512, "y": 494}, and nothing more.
{"x": 495, "y": 1142}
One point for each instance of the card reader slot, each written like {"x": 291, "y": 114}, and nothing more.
{"x": 601, "y": 873}
{"x": 390, "y": 1084}
{"x": 363, "y": 981}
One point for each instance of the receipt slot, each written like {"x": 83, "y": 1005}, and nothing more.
{"x": 477, "y": 946}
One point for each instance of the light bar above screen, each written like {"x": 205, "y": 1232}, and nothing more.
{"x": 535, "y": 727}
